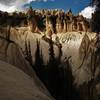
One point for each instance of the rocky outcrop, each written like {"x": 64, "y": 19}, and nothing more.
{"x": 12, "y": 54}
{"x": 17, "y": 85}
{"x": 74, "y": 45}
{"x": 48, "y": 21}
{"x": 84, "y": 47}
{"x": 70, "y": 23}
{"x": 32, "y": 21}
{"x": 49, "y": 26}
{"x": 59, "y": 26}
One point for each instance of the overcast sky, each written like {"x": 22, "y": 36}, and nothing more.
{"x": 77, "y": 6}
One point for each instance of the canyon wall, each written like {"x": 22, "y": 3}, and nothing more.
{"x": 48, "y": 21}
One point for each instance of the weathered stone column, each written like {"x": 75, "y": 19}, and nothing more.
{"x": 65, "y": 26}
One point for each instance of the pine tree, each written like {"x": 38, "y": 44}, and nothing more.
{"x": 94, "y": 61}
{"x": 27, "y": 53}
{"x": 54, "y": 82}
{"x": 60, "y": 52}
{"x": 39, "y": 64}
{"x": 96, "y": 17}
{"x": 8, "y": 32}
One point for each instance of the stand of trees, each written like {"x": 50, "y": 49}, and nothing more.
{"x": 96, "y": 16}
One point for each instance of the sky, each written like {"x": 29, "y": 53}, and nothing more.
{"x": 77, "y": 6}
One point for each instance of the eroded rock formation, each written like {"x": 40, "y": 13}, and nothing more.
{"x": 48, "y": 21}
{"x": 49, "y": 26}
{"x": 18, "y": 80}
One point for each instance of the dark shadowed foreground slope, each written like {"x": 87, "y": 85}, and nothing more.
{"x": 16, "y": 85}
{"x": 17, "y": 79}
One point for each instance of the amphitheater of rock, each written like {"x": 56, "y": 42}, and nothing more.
{"x": 48, "y": 21}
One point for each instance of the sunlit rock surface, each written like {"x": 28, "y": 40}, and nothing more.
{"x": 71, "y": 46}
{"x": 18, "y": 79}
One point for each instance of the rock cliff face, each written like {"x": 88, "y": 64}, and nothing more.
{"x": 67, "y": 23}
{"x": 79, "y": 45}
{"x": 17, "y": 85}
{"x": 48, "y": 21}
{"x": 17, "y": 76}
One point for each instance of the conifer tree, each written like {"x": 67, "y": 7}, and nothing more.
{"x": 28, "y": 55}
{"x": 96, "y": 16}
{"x": 39, "y": 64}
{"x": 8, "y": 32}
{"x": 53, "y": 72}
